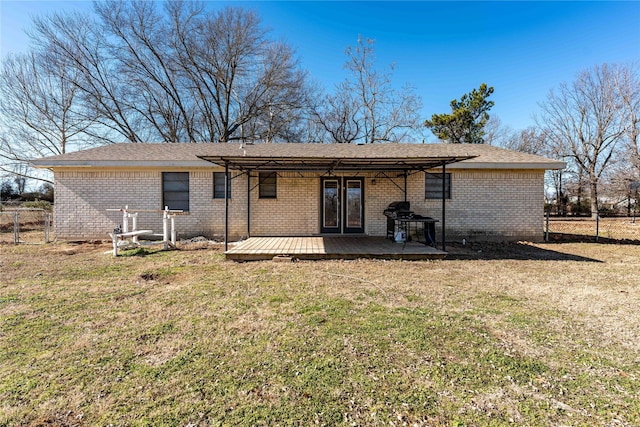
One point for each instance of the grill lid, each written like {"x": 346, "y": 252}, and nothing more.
{"x": 398, "y": 209}
{"x": 399, "y": 206}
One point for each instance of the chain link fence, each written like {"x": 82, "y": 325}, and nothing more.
{"x": 572, "y": 229}
{"x": 33, "y": 226}
{"x": 25, "y": 225}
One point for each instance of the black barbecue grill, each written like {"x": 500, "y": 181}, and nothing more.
{"x": 400, "y": 217}
{"x": 394, "y": 211}
{"x": 398, "y": 209}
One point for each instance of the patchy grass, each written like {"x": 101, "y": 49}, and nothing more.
{"x": 547, "y": 336}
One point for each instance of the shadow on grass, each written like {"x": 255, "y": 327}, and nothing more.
{"x": 509, "y": 250}
{"x": 582, "y": 238}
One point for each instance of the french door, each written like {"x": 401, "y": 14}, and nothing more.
{"x": 342, "y": 205}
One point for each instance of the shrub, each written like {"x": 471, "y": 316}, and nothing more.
{"x": 38, "y": 204}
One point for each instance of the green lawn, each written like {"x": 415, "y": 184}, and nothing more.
{"x": 531, "y": 335}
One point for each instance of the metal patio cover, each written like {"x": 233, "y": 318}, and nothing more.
{"x": 334, "y": 157}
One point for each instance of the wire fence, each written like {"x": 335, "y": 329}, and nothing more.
{"x": 33, "y": 226}
{"x": 25, "y": 225}
{"x": 568, "y": 229}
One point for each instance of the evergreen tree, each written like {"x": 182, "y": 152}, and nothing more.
{"x": 468, "y": 116}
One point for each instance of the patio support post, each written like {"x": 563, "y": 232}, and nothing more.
{"x": 444, "y": 175}
{"x": 405, "y": 186}
{"x": 248, "y": 204}
{"x": 226, "y": 206}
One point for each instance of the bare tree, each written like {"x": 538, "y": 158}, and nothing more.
{"x": 584, "y": 121}
{"x": 338, "y": 116}
{"x": 144, "y": 60}
{"x": 532, "y": 140}
{"x": 244, "y": 85}
{"x": 628, "y": 84}
{"x": 366, "y": 107}
{"x": 281, "y": 103}
{"x": 80, "y": 42}
{"x": 41, "y": 112}
{"x": 619, "y": 184}
{"x": 622, "y": 179}
{"x": 495, "y": 133}
{"x": 181, "y": 73}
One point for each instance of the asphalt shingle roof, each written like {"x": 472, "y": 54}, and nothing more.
{"x": 190, "y": 155}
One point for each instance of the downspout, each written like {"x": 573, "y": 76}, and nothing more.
{"x": 444, "y": 216}
{"x": 226, "y": 206}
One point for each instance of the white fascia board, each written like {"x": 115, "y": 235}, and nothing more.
{"x": 44, "y": 164}
{"x": 489, "y": 165}
{"x": 121, "y": 164}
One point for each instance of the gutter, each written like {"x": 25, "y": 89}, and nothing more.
{"x": 44, "y": 164}
{"x": 515, "y": 165}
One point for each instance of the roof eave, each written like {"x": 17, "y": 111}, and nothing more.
{"x": 308, "y": 164}
{"x": 510, "y": 165}
{"x": 44, "y": 164}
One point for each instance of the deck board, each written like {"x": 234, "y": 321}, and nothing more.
{"x": 329, "y": 247}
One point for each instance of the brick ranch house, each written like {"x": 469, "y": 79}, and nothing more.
{"x": 489, "y": 193}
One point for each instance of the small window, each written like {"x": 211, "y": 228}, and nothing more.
{"x": 175, "y": 190}
{"x": 218, "y": 185}
{"x": 433, "y": 186}
{"x": 268, "y": 185}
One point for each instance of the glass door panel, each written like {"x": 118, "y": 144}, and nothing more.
{"x": 354, "y": 206}
{"x": 330, "y": 206}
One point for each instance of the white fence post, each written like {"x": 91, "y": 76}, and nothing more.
{"x": 125, "y": 220}
{"x": 173, "y": 230}
{"x": 134, "y": 217}
{"x": 165, "y": 227}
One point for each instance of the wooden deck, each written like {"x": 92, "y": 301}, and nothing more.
{"x": 323, "y": 247}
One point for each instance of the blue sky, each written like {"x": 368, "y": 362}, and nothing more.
{"x": 444, "y": 49}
